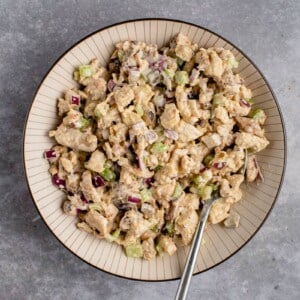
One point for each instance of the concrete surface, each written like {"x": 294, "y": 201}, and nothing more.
{"x": 33, "y": 265}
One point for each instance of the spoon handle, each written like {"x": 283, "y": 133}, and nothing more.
{"x": 192, "y": 257}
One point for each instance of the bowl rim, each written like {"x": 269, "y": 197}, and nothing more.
{"x": 168, "y": 20}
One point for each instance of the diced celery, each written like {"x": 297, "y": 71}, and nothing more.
{"x": 134, "y": 250}
{"x": 181, "y": 77}
{"x": 155, "y": 228}
{"x": 232, "y": 62}
{"x": 257, "y": 114}
{"x": 199, "y": 180}
{"x": 108, "y": 175}
{"x": 159, "y": 250}
{"x": 214, "y": 186}
{"x": 101, "y": 110}
{"x": 86, "y": 71}
{"x": 169, "y": 227}
{"x": 177, "y": 191}
{"x": 207, "y": 159}
{"x": 146, "y": 194}
{"x": 170, "y": 73}
{"x": 205, "y": 192}
{"x": 139, "y": 110}
{"x": 157, "y": 168}
{"x": 83, "y": 123}
{"x": 114, "y": 236}
{"x": 218, "y": 100}
{"x": 121, "y": 55}
{"x": 144, "y": 77}
{"x": 159, "y": 147}
{"x": 180, "y": 62}
{"x": 250, "y": 101}
{"x": 96, "y": 206}
{"x": 108, "y": 164}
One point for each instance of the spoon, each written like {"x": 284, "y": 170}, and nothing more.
{"x": 192, "y": 257}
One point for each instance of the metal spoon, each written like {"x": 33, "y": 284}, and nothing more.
{"x": 191, "y": 260}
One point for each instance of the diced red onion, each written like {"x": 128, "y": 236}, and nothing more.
{"x": 141, "y": 163}
{"x": 58, "y": 182}
{"x": 169, "y": 100}
{"x": 244, "y": 103}
{"x": 148, "y": 181}
{"x": 219, "y": 165}
{"x": 259, "y": 174}
{"x": 133, "y": 199}
{"x": 194, "y": 75}
{"x": 75, "y": 100}
{"x": 48, "y": 154}
{"x": 82, "y": 197}
{"x": 98, "y": 181}
{"x": 151, "y": 136}
{"x": 79, "y": 211}
{"x": 134, "y": 75}
{"x": 110, "y": 85}
{"x": 203, "y": 168}
{"x": 171, "y": 134}
{"x": 255, "y": 163}
{"x": 159, "y": 65}
{"x": 151, "y": 115}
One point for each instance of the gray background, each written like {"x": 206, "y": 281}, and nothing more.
{"x": 33, "y": 264}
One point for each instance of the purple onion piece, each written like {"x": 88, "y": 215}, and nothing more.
{"x": 49, "y": 154}
{"x": 259, "y": 174}
{"x": 244, "y": 103}
{"x": 140, "y": 163}
{"x": 148, "y": 181}
{"x": 75, "y": 100}
{"x": 110, "y": 85}
{"x": 171, "y": 134}
{"x": 219, "y": 165}
{"x": 133, "y": 199}
{"x": 98, "y": 181}
{"x": 169, "y": 100}
{"x": 151, "y": 136}
{"x": 82, "y": 197}
{"x": 58, "y": 182}
{"x": 151, "y": 115}
{"x": 203, "y": 168}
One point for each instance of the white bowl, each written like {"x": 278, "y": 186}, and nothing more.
{"x": 220, "y": 243}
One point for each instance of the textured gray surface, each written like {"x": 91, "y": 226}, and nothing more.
{"x": 33, "y": 264}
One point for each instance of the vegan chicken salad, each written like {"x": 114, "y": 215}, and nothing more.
{"x": 144, "y": 141}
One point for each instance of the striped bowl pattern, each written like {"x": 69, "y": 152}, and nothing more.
{"x": 220, "y": 243}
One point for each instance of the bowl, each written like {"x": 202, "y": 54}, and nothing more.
{"x": 220, "y": 242}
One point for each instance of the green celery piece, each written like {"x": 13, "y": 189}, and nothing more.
{"x": 169, "y": 227}
{"x": 207, "y": 159}
{"x": 170, "y": 73}
{"x": 177, "y": 191}
{"x": 114, "y": 236}
{"x": 257, "y": 114}
{"x": 206, "y": 192}
{"x": 159, "y": 147}
{"x": 84, "y": 123}
{"x": 146, "y": 194}
{"x": 181, "y": 77}
{"x": 250, "y": 101}
{"x": 86, "y": 71}
{"x": 180, "y": 62}
{"x": 217, "y": 100}
{"x": 134, "y": 250}
{"x": 108, "y": 175}
{"x": 139, "y": 110}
